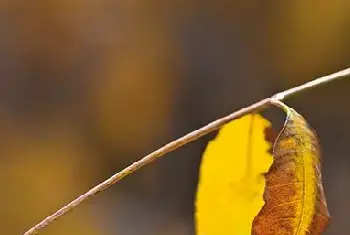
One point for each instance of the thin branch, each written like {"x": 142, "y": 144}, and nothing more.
{"x": 194, "y": 135}
{"x": 314, "y": 83}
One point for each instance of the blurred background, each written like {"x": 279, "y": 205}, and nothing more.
{"x": 88, "y": 87}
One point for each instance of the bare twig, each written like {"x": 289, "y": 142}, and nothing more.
{"x": 314, "y": 83}
{"x": 194, "y": 135}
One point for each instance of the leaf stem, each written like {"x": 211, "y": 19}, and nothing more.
{"x": 192, "y": 136}
{"x": 280, "y": 104}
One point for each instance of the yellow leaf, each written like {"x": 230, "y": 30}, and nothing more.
{"x": 231, "y": 184}
{"x": 295, "y": 201}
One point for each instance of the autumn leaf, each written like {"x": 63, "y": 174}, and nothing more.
{"x": 231, "y": 182}
{"x": 295, "y": 201}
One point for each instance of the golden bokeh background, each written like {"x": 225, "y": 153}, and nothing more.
{"x": 88, "y": 87}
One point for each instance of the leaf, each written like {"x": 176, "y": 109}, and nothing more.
{"x": 295, "y": 201}
{"x": 231, "y": 184}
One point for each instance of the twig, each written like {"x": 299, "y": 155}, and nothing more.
{"x": 194, "y": 135}
{"x": 317, "y": 82}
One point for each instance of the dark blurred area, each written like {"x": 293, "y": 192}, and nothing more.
{"x": 88, "y": 87}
